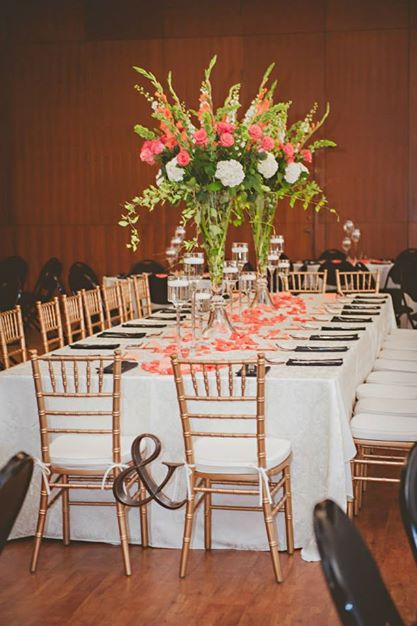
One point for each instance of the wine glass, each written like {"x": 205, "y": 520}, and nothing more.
{"x": 240, "y": 251}
{"x": 272, "y": 265}
{"x": 247, "y": 282}
{"x": 179, "y": 295}
{"x": 283, "y": 269}
{"x": 202, "y": 303}
{"x": 276, "y": 244}
{"x": 193, "y": 270}
{"x": 348, "y": 227}
{"x": 230, "y": 278}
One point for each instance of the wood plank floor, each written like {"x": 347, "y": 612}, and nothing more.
{"x": 83, "y": 584}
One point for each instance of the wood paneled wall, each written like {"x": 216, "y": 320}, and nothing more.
{"x": 69, "y": 158}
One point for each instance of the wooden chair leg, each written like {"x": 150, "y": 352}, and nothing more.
{"x": 188, "y": 527}
{"x": 357, "y": 485}
{"x": 272, "y": 539}
{"x": 350, "y": 509}
{"x": 40, "y": 527}
{"x": 288, "y": 511}
{"x": 121, "y": 519}
{"x": 207, "y": 516}
{"x": 65, "y": 514}
{"x": 143, "y": 513}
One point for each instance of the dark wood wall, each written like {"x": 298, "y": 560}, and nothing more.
{"x": 69, "y": 158}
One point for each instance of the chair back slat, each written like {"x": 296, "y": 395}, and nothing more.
{"x": 113, "y": 305}
{"x": 126, "y": 289}
{"x": 12, "y": 337}
{"x": 306, "y": 282}
{"x": 50, "y": 323}
{"x": 203, "y": 383}
{"x": 73, "y": 312}
{"x": 93, "y": 308}
{"x": 141, "y": 294}
{"x": 357, "y": 282}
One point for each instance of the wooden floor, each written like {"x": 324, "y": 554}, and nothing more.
{"x": 83, "y": 584}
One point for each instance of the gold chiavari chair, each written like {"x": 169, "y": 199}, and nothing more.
{"x": 306, "y": 282}
{"x": 142, "y": 294}
{"x": 93, "y": 309}
{"x": 50, "y": 324}
{"x": 125, "y": 286}
{"x": 113, "y": 307}
{"x": 230, "y": 451}
{"x": 81, "y": 441}
{"x": 74, "y": 324}
{"x": 357, "y": 282}
{"x": 12, "y": 337}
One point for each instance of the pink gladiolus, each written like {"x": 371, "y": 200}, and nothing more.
{"x": 200, "y": 137}
{"x": 224, "y": 127}
{"x": 307, "y": 156}
{"x": 227, "y": 140}
{"x": 267, "y": 143}
{"x": 255, "y": 132}
{"x": 183, "y": 158}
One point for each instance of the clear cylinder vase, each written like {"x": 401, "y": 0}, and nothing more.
{"x": 262, "y": 296}
{"x": 218, "y": 326}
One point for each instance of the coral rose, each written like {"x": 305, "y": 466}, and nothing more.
{"x": 157, "y": 146}
{"x": 224, "y": 127}
{"x": 146, "y": 153}
{"x": 255, "y": 132}
{"x": 289, "y": 152}
{"x": 227, "y": 140}
{"x": 267, "y": 143}
{"x": 200, "y": 137}
{"x": 183, "y": 158}
{"x": 307, "y": 156}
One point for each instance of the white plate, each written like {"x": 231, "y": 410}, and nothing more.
{"x": 287, "y": 345}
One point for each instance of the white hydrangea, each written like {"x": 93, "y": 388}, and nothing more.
{"x": 293, "y": 172}
{"x": 268, "y": 166}
{"x": 230, "y": 173}
{"x": 174, "y": 172}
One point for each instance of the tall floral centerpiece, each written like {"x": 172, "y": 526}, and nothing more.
{"x": 217, "y": 167}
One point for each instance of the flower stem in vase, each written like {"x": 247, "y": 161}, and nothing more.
{"x": 262, "y": 214}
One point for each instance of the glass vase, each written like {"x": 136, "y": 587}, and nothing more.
{"x": 262, "y": 296}
{"x": 262, "y": 215}
{"x": 218, "y": 326}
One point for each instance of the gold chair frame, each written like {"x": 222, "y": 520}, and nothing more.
{"x": 67, "y": 381}
{"x": 203, "y": 485}
{"x": 93, "y": 307}
{"x": 305, "y": 282}
{"x": 12, "y": 333}
{"x": 50, "y": 322}
{"x": 73, "y": 313}
{"x": 125, "y": 286}
{"x": 357, "y": 282}
{"x": 113, "y": 308}
{"x": 142, "y": 294}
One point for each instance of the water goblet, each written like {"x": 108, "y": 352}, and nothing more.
{"x": 272, "y": 265}
{"x": 240, "y": 251}
{"x": 193, "y": 270}
{"x": 230, "y": 278}
{"x": 202, "y": 304}
{"x": 179, "y": 295}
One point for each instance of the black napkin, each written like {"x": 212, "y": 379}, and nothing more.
{"x": 121, "y": 335}
{"x": 363, "y": 312}
{"x": 321, "y": 349}
{"x": 369, "y": 298}
{"x": 361, "y": 306}
{"x": 343, "y": 328}
{"x": 95, "y": 346}
{"x": 316, "y": 362}
{"x": 251, "y": 370}
{"x": 126, "y": 366}
{"x": 345, "y": 318}
{"x": 144, "y": 325}
{"x": 167, "y": 318}
{"x": 351, "y": 337}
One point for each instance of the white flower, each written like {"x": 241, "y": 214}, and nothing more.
{"x": 268, "y": 166}
{"x": 175, "y": 174}
{"x": 249, "y": 114}
{"x": 159, "y": 178}
{"x": 154, "y": 105}
{"x": 304, "y": 168}
{"x": 293, "y": 171}
{"x": 230, "y": 173}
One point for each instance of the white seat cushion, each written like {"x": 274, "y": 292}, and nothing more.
{"x": 392, "y": 343}
{"x": 398, "y": 355}
{"x": 87, "y": 451}
{"x": 393, "y": 378}
{"x": 236, "y": 456}
{"x": 395, "y": 366}
{"x": 384, "y": 427}
{"x": 387, "y": 406}
{"x": 371, "y": 390}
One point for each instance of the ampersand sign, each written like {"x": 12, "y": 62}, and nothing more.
{"x": 127, "y": 478}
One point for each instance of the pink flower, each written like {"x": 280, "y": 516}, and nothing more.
{"x": 224, "y": 127}
{"x": 267, "y": 143}
{"x": 227, "y": 140}
{"x": 183, "y": 158}
{"x": 200, "y": 137}
{"x": 146, "y": 153}
{"x": 289, "y": 152}
{"x": 255, "y": 132}
{"x": 157, "y": 146}
{"x": 307, "y": 156}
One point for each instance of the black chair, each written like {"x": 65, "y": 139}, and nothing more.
{"x": 408, "y": 499}
{"x": 331, "y": 265}
{"x": 147, "y": 266}
{"x": 14, "y": 482}
{"x": 332, "y": 254}
{"x": 353, "y": 578}
{"x": 13, "y": 272}
{"x": 404, "y": 274}
{"x": 81, "y": 276}
{"x": 48, "y": 283}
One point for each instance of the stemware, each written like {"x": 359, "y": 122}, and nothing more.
{"x": 180, "y": 232}
{"x": 230, "y": 278}
{"x": 346, "y": 244}
{"x": 240, "y": 251}
{"x": 277, "y": 244}
{"x": 348, "y": 227}
{"x": 202, "y": 296}
{"x": 176, "y": 242}
{"x": 171, "y": 255}
{"x": 179, "y": 295}
{"x": 193, "y": 270}
{"x": 356, "y": 235}
{"x": 273, "y": 260}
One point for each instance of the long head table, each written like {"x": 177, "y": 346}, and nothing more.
{"x": 310, "y": 406}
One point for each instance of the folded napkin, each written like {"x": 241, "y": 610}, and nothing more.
{"x": 362, "y": 312}
{"x": 144, "y": 325}
{"x": 315, "y": 362}
{"x": 351, "y": 337}
{"x": 95, "y": 346}
{"x": 321, "y": 349}
{"x": 343, "y": 328}
{"x": 167, "y": 318}
{"x": 109, "y": 333}
{"x": 345, "y": 318}
{"x": 361, "y": 306}
{"x": 126, "y": 366}
{"x": 371, "y": 298}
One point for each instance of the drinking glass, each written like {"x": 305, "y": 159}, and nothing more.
{"x": 202, "y": 304}
{"x": 240, "y": 251}
{"x": 276, "y": 244}
{"x": 179, "y": 295}
{"x": 283, "y": 269}
{"x": 193, "y": 270}
{"x": 272, "y": 265}
{"x": 247, "y": 283}
{"x": 230, "y": 278}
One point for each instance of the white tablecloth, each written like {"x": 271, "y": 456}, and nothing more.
{"x": 311, "y": 406}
